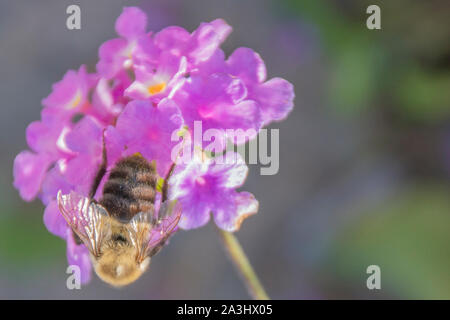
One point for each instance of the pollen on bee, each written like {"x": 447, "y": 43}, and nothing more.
{"x": 157, "y": 88}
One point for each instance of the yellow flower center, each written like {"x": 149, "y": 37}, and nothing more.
{"x": 157, "y": 88}
{"x": 75, "y": 101}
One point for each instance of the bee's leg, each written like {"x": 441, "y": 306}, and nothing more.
{"x": 101, "y": 171}
{"x": 165, "y": 186}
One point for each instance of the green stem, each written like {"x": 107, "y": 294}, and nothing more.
{"x": 243, "y": 266}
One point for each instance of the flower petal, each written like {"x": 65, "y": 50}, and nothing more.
{"x": 152, "y": 130}
{"x": 206, "y": 39}
{"x": 195, "y": 214}
{"x": 232, "y": 174}
{"x": 131, "y": 23}
{"x": 104, "y": 107}
{"x": 86, "y": 137}
{"x": 53, "y": 182}
{"x": 29, "y": 171}
{"x": 86, "y": 140}
{"x": 78, "y": 255}
{"x": 115, "y": 145}
{"x": 54, "y": 221}
{"x": 245, "y": 205}
{"x": 275, "y": 98}
{"x": 47, "y": 136}
{"x": 111, "y": 57}
{"x": 248, "y": 65}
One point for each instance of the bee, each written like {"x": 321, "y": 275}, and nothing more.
{"x": 122, "y": 230}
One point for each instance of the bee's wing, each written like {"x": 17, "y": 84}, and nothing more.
{"x": 139, "y": 229}
{"x": 90, "y": 221}
{"x": 148, "y": 233}
{"x": 169, "y": 215}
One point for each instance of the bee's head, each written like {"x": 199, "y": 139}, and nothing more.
{"x": 118, "y": 266}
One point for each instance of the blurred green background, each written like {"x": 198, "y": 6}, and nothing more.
{"x": 364, "y": 156}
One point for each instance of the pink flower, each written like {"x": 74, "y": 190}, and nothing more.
{"x": 106, "y": 105}
{"x": 70, "y": 95}
{"x": 147, "y": 89}
{"x": 134, "y": 47}
{"x": 196, "y": 47}
{"x": 205, "y": 187}
{"x": 220, "y": 102}
{"x": 157, "y": 83}
{"x": 275, "y": 97}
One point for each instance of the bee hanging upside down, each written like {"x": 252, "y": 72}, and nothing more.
{"x": 122, "y": 230}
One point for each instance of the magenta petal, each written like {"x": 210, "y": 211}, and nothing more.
{"x": 131, "y": 23}
{"x": 276, "y": 99}
{"x": 78, "y": 255}
{"x": 195, "y": 214}
{"x": 69, "y": 96}
{"x": 86, "y": 137}
{"x": 230, "y": 218}
{"x": 233, "y": 173}
{"x": 53, "y": 182}
{"x": 152, "y": 130}
{"x": 115, "y": 145}
{"x": 172, "y": 39}
{"x": 184, "y": 187}
{"x": 222, "y": 28}
{"x": 219, "y": 102}
{"x": 29, "y": 171}
{"x": 103, "y": 105}
{"x": 86, "y": 140}
{"x": 43, "y": 136}
{"x": 242, "y": 118}
{"x": 215, "y": 64}
{"x": 54, "y": 221}
{"x": 248, "y": 65}
{"x": 171, "y": 68}
{"x": 39, "y": 136}
{"x": 204, "y": 186}
{"x": 62, "y": 91}
{"x": 81, "y": 172}
{"x": 207, "y": 38}
{"x": 171, "y": 65}
{"x": 111, "y": 57}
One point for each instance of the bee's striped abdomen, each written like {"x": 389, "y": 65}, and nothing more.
{"x": 130, "y": 189}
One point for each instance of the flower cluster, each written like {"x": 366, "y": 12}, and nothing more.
{"x": 147, "y": 86}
